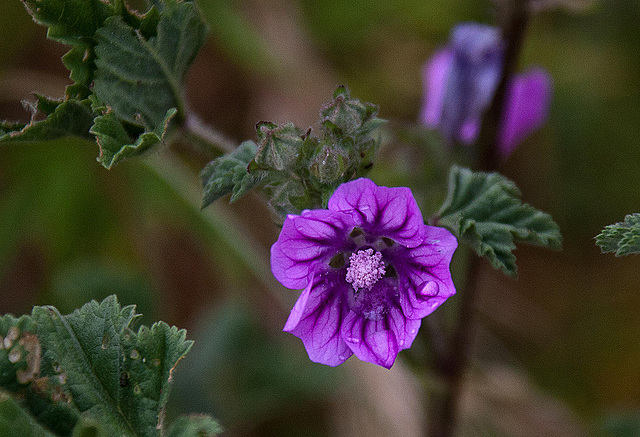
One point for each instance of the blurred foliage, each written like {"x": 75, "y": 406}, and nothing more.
{"x": 68, "y": 227}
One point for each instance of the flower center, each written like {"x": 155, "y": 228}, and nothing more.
{"x": 365, "y": 269}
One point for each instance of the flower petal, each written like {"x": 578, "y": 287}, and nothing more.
{"x": 434, "y": 78}
{"x": 317, "y": 318}
{"x": 381, "y": 211}
{"x": 404, "y": 329}
{"x": 307, "y": 241}
{"x": 370, "y": 340}
{"x": 526, "y": 108}
{"x": 425, "y": 278}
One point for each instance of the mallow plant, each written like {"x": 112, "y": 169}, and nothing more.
{"x": 368, "y": 267}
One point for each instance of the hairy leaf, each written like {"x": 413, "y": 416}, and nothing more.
{"x": 113, "y": 378}
{"x": 64, "y": 118}
{"x": 621, "y": 238}
{"x": 73, "y": 22}
{"x": 279, "y": 146}
{"x": 295, "y": 169}
{"x": 485, "y": 211}
{"x": 16, "y": 422}
{"x": 140, "y": 79}
{"x": 116, "y": 144}
{"x": 30, "y": 376}
{"x": 195, "y": 425}
{"x": 228, "y": 174}
{"x": 128, "y": 71}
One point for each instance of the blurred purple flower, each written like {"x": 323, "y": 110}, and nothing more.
{"x": 370, "y": 268}
{"x": 461, "y": 79}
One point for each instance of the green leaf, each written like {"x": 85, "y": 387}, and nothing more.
{"x": 33, "y": 379}
{"x": 485, "y": 211}
{"x": 116, "y": 144}
{"x": 141, "y": 79}
{"x": 195, "y": 425}
{"x": 89, "y": 428}
{"x": 116, "y": 380}
{"x": 73, "y": 22}
{"x": 66, "y": 118}
{"x": 228, "y": 174}
{"x": 15, "y": 421}
{"x": 117, "y": 377}
{"x": 128, "y": 71}
{"x": 621, "y": 238}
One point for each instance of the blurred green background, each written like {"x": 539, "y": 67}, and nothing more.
{"x": 557, "y": 350}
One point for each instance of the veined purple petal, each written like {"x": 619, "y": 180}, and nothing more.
{"x": 434, "y": 78}
{"x": 405, "y": 329}
{"x": 380, "y": 211}
{"x": 370, "y": 340}
{"x": 425, "y": 279}
{"x": 379, "y": 341}
{"x": 356, "y": 306}
{"x": 317, "y": 319}
{"x": 306, "y": 241}
{"x": 526, "y": 108}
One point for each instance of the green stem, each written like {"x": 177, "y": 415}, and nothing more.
{"x": 208, "y": 138}
{"x": 219, "y": 220}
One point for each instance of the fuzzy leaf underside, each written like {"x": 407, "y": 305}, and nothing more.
{"x": 485, "y": 211}
{"x": 621, "y": 238}
{"x": 88, "y": 372}
{"x": 115, "y": 143}
{"x": 69, "y": 118}
{"x": 128, "y": 72}
{"x": 141, "y": 79}
{"x": 73, "y": 22}
{"x": 228, "y": 174}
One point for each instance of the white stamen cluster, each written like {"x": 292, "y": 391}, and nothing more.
{"x": 365, "y": 269}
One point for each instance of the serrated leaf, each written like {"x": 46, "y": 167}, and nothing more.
{"x": 115, "y": 379}
{"x": 73, "y": 22}
{"x": 621, "y": 238}
{"x": 15, "y": 421}
{"x": 94, "y": 347}
{"x": 195, "y": 425}
{"x": 228, "y": 174}
{"x": 485, "y": 211}
{"x": 68, "y": 118}
{"x": 139, "y": 78}
{"x": 31, "y": 378}
{"x": 116, "y": 144}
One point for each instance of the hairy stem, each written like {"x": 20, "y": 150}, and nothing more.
{"x": 206, "y": 137}
{"x": 444, "y": 409}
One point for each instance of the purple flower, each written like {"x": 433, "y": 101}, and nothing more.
{"x": 370, "y": 268}
{"x": 461, "y": 79}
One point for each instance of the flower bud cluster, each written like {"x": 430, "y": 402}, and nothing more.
{"x": 300, "y": 170}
